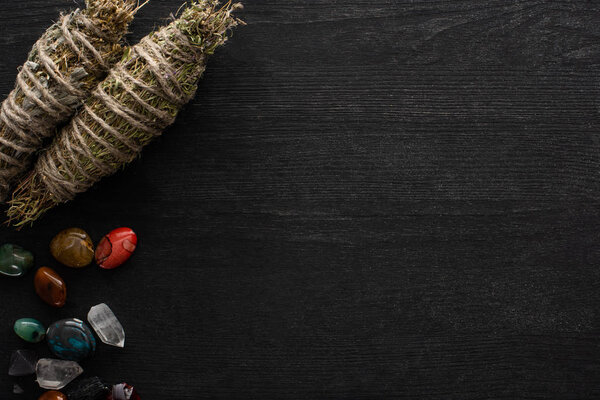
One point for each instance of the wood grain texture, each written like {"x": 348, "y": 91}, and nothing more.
{"x": 367, "y": 199}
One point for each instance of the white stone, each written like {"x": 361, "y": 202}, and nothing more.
{"x": 107, "y": 326}
{"x": 56, "y": 374}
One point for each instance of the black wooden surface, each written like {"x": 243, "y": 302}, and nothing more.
{"x": 367, "y": 199}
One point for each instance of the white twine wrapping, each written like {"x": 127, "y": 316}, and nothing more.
{"x": 57, "y": 168}
{"x": 45, "y": 97}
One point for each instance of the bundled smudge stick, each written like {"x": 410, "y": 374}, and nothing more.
{"x": 140, "y": 98}
{"x": 63, "y": 67}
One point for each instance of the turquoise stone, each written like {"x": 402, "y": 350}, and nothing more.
{"x": 14, "y": 260}
{"x": 71, "y": 339}
{"x": 29, "y": 329}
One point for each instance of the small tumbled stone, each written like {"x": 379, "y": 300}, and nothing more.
{"x": 71, "y": 339}
{"x": 22, "y": 363}
{"x": 107, "y": 326}
{"x": 88, "y": 389}
{"x": 14, "y": 260}
{"x": 52, "y": 395}
{"x": 50, "y": 287}
{"x": 56, "y": 374}
{"x": 123, "y": 391}
{"x": 29, "y": 329}
{"x": 72, "y": 247}
{"x": 17, "y": 389}
{"x": 115, "y": 248}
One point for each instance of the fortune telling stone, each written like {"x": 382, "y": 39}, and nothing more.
{"x": 29, "y": 329}
{"x": 14, "y": 260}
{"x": 56, "y": 374}
{"x": 107, "y": 326}
{"x": 88, "y": 389}
{"x": 50, "y": 287}
{"x": 71, "y": 339}
{"x": 73, "y": 248}
{"x": 123, "y": 391}
{"x": 22, "y": 363}
{"x": 52, "y": 395}
{"x": 115, "y": 248}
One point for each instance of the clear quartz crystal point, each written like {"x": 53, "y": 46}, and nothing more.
{"x": 56, "y": 374}
{"x": 107, "y": 326}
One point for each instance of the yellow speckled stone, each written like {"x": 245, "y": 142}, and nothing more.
{"x": 73, "y": 247}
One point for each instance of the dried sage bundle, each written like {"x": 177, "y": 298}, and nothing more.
{"x": 140, "y": 98}
{"x": 64, "y": 66}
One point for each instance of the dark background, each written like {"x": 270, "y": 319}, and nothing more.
{"x": 366, "y": 199}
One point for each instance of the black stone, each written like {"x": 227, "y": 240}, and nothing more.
{"x": 88, "y": 389}
{"x": 17, "y": 389}
{"x": 22, "y": 363}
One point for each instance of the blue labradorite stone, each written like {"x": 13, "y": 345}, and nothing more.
{"x": 14, "y": 260}
{"x": 71, "y": 339}
{"x": 29, "y": 329}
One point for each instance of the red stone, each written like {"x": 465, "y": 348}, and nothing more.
{"x": 123, "y": 391}
{"x": 116, "y": 248}
{"x": 50, "y": 287}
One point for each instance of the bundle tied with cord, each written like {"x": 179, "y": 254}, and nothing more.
{"x": 140, "y": 98}
{"x": 64, "y": 66}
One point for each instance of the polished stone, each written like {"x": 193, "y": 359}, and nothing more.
{"x": 14, "y": 260}
{"x": 71, "y": 339}
{"x": 73, "y": 247}
{"x": 52, "y": 395}
{"x": 56, "y": 374}
{"x": 29, "y": 329}
{"x": 50, "y": 287}
{"x": 22, "y": 363}
{"x": 123, "y": 391}
{"x": 88, "y": 389}
{"x": 115, "y": 248}
{"x": 107, "y": 326}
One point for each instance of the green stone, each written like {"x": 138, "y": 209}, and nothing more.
{"x": 14, "y": 260}
{"x": 29, "y": 329}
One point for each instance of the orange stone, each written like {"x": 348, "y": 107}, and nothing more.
{"x": 53, "y": 395}
{"x": 50, "y": 287}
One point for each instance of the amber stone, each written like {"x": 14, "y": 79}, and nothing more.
{"x": 53, "y": 395}
{"x": 73, "y": 247}
{"x": 50, "y": 287}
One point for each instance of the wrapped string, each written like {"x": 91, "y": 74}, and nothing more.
{"x": 65, "y": 64}
{"x": 140, "y": 98}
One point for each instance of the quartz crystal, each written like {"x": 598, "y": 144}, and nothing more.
{"x": 55, "y": 374}
{"x": 22, "y": 363}
{"x": 17, "y": 389}
{"x": 107, "y": 326}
